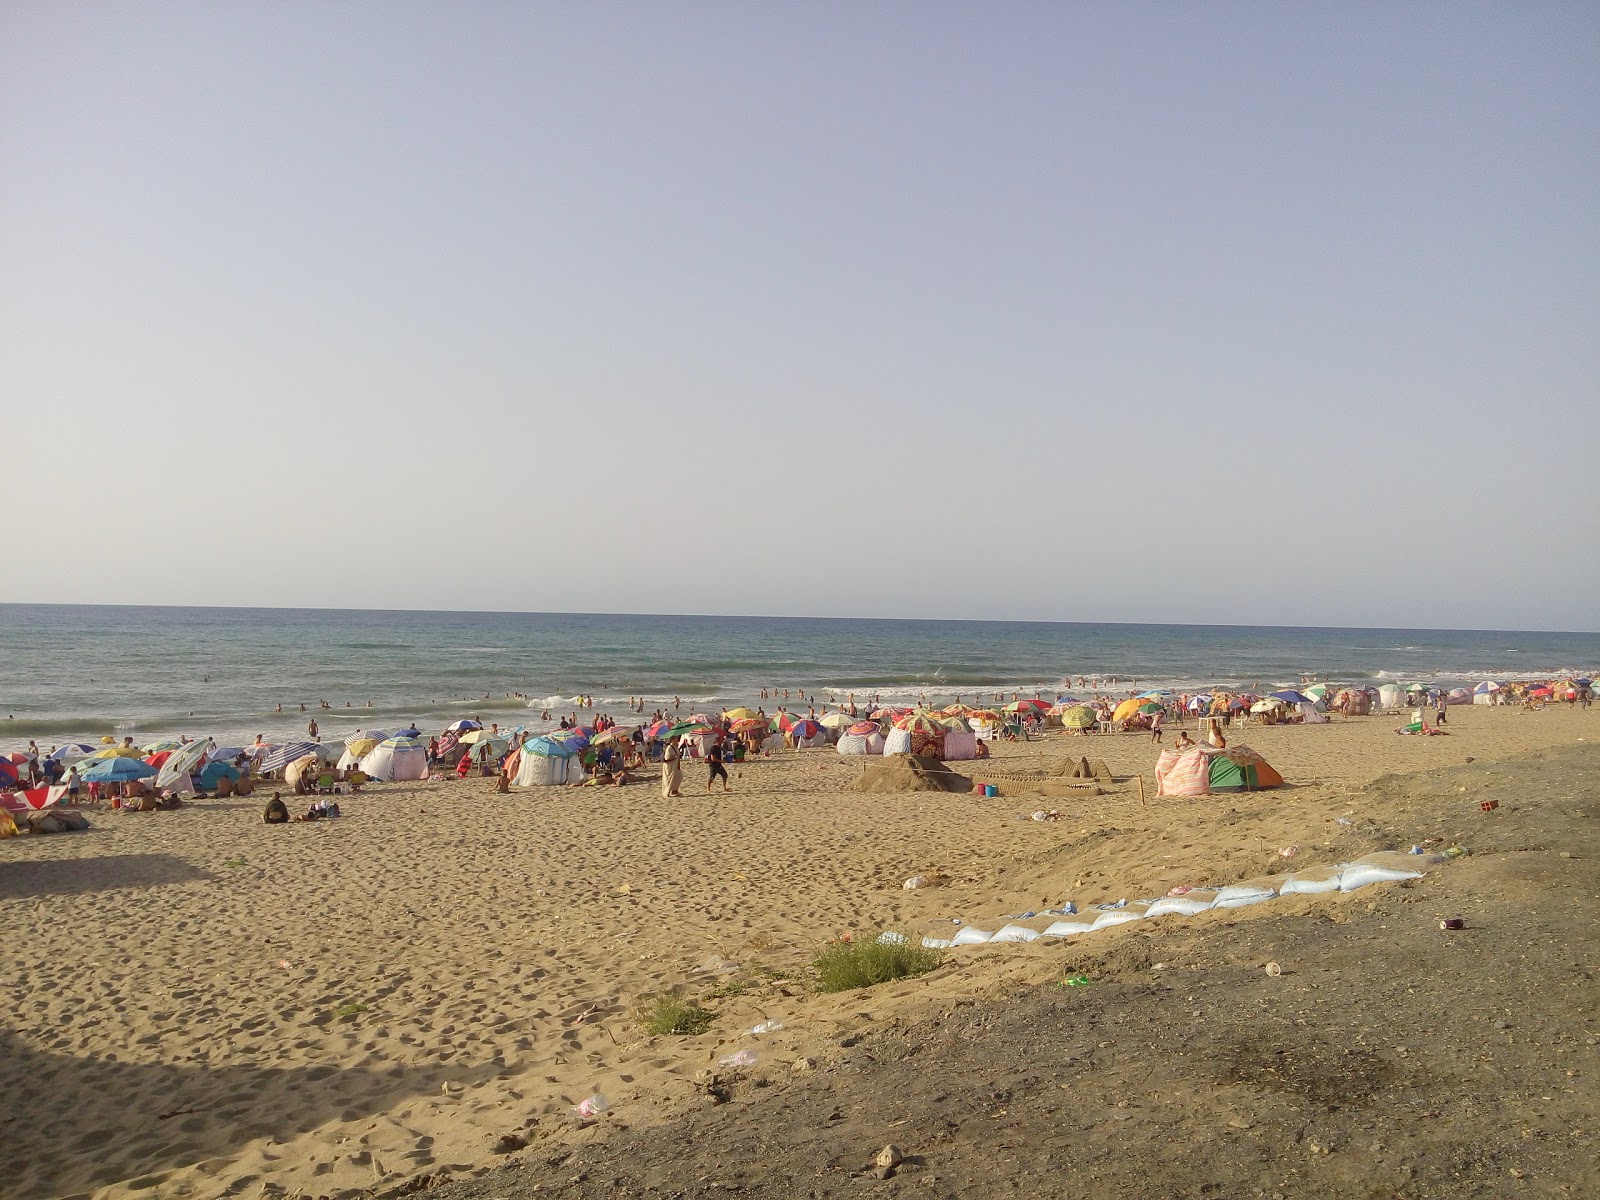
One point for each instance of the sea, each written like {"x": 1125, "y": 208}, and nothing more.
{"x": 84, "y": 672}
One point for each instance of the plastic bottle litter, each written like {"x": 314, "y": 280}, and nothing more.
{"x": 593, "y": 1106}
{"x": 1077, "y": 981}
{"x": 739, "y": 1058}
{"x": 766, "y": 1027}
{"x": 915, "y": 882}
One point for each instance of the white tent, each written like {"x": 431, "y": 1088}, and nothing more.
{"x": 1310, "y": 714}
{"x": 1391, "y": 697}
{"x": 542, "y": 770}
{"x": 856, "y": 743}
{"x": 397, "y": 758}
{"x": 897, "y": 741}
{"x": 959, "y": 745}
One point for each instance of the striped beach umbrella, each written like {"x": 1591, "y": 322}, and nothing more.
{"x": 280, "y": 757}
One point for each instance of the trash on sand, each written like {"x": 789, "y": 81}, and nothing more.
{"x": 739, "y": 1058}
{"x": 1274, "y": 970}
{"x": 1079, "y": 980}
{"x": 593, "y": 1106}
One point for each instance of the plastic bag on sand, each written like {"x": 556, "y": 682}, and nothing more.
{"x": 1240, "y": 894}
{"x": 890, "y": 937}
{"x": 933, "y": 943}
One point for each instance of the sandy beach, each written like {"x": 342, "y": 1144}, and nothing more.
{"x": 201, "y": 1005}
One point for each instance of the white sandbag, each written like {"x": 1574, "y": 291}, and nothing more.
{"x": 1016, "y": 933}
{"x": 1198, "y": 900}
{"x": 1311, "y": 881}
{"x": 1239, "y": 895}
{"x": 858, "y": 744}
{"x": 970, "y": 937}
{"x": 1120, "y": 916}
{"x": 1070, "y": 928}
{"x": 1385, "y": 866}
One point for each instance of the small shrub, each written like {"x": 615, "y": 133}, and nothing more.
{"x": 841, "y": 966}
{"x": 671, "y": 1013}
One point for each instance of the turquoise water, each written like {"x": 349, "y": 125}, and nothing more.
{"x": 79, "y": 672}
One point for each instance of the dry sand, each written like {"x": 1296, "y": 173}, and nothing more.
{"x": 202, "y": 1005}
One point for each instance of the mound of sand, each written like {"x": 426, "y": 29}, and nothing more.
{"x": 910, "y": 773}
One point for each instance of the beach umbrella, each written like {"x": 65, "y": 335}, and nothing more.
{"x": 1150, "y": 706}
{"x": 690, "y": 729}
{"x": 361, "y": 747}
{"x": 835, "y": 720}
{"x": 280, "y": 757}
{"x": 212, "y": 772}
{"x": 1267, "y": 704}
{"x": 1290, "y": 696}
{"x": 8, "y": 772}
{"x": 362, "y": 735}
{"x": 116, "y": 770}
{"x": 116, "y": 752}
{"x": 1317, "y": 691}
{"x": 1126, "y": 709}
{"x": 615, "y": 734}
{"x": 956, "y": 710}
{"x": 1022, "y": 706}
{"x": 920, "y": 721}
{"x": 548, "y": 747}
{"x": 1155, "y": 695}
{"x": 863, "y": 728}
{"x": 409, "y": 732}
{"x": 1419, "y": 687}
{"x": 658, "y": 729}
{"x": 158, "y": 747}
{"x": 986, "y": 715}
{"x": 463, "y": 725}
{"x": 1080, "y": 717}
{"x": 740, "y": 714}
{"x": 474, "y": 734}
{"x": 71, "y": 751}
{"x": 1540, "y": 692}
{"x": 181, "y": 762}
{"x": 750, "y": 725}
{"x": 801, "y": 730}
{"x": 705, "y": 719}
{"x": 159, "y": 759}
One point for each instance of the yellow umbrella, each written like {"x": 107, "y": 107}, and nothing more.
{"x": 117, "y": 752}
{"x": 1080, "y": 716}
{"x": 740, "y": 714}
{"x": 361, "y": 747}
{"x": 1126, "y": 709}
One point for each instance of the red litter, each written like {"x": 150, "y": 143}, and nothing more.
{"x": 1452, "y": 923}
{"x": 1488, "y": 805}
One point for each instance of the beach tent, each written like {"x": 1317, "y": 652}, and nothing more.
{"x": 861, "y": 743}
{"x": 1201, "y": 770}
{"x": 959, "y": 745}
{"x": 544, "y": 762}
{"x": 1310, "y": 714}
{"x": 356, "y": 750}
{"x": 396, "y": 758}
{"x": 1391, "y": 697}
{"x": 1458, "y": 696}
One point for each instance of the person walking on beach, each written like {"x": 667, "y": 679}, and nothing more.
{"x": 1155, "y": 726}
{"x": 715, "y": 767}
{"x": 671, "y": 770}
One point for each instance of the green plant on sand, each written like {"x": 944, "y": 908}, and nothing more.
{"x": 669, "y": 1012}
{"x": 841, "y": 966}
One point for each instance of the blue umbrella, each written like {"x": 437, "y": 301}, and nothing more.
{"x": 117, "y": 770}
{"x": 215, "y": 771}
{"x": 1290, "y": 696}
{"x": 548, "y": 747}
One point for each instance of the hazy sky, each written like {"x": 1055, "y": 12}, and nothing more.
{"x": 1192, "y": 312}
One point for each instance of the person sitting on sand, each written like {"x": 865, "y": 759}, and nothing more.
{"x": 1184, "y": 741}
{"x": 277, "y": 811}
{"x": 982, "y": 750}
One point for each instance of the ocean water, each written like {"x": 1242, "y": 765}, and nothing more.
{"x": 80, "y": 672}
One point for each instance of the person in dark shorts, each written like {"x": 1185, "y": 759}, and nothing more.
{"x": 714, "y": 763}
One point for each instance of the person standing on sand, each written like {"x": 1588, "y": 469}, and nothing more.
{"x": 715, "y": 767}
{"x": 1155, "y": 726}
{"x": 671, "y": 770}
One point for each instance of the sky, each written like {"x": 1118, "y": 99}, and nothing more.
{"x": 1233, "y": 313}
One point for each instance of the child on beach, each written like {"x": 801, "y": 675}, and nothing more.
{"x": 715, "y": 767}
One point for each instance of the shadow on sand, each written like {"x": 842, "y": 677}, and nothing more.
{"x": 70, "y": 1125}
{"x": 82, "y": 876}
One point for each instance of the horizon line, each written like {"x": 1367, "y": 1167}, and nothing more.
{"x": 796, "y": 617}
